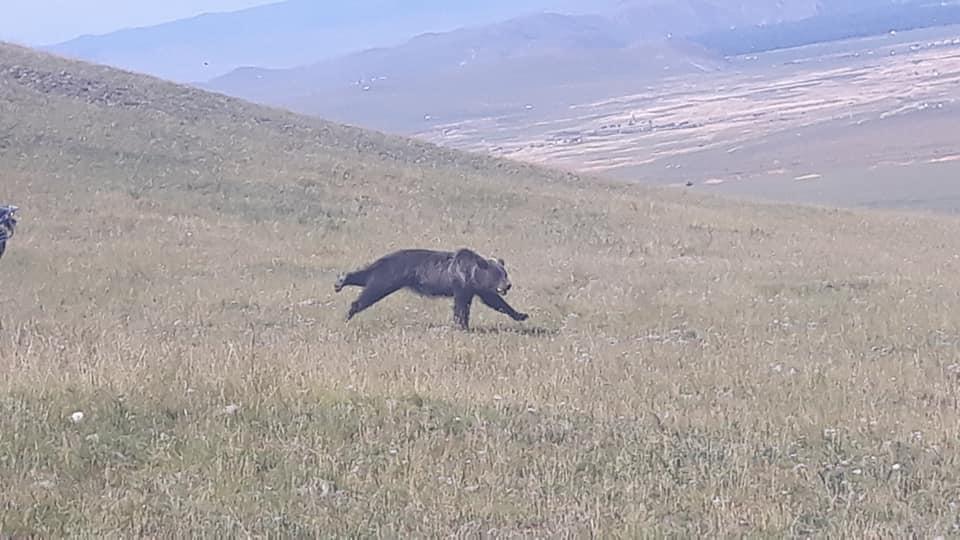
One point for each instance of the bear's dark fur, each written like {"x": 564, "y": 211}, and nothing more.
{"x": 461, "y": 275}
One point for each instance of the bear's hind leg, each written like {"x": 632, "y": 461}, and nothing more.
{"x": 356, "y": 279}
{"x": 372, "y": 293}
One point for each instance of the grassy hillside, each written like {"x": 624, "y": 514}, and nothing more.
{"x": 692, "y": 366}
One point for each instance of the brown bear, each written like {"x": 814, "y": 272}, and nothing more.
{"x": 462, "y": 275}
{"x": 8, "y": 225}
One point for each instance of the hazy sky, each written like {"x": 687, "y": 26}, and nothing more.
{"x": 44, "y": 22}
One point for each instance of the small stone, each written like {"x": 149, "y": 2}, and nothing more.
{"x": 325, "y": 488}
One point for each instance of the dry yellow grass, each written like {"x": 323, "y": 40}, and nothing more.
{"x": 692, "y": 367}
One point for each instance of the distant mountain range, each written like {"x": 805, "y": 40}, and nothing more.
{"x": 533, "y": 61}
{"x": 298, "y": 32}
{"x": 395, "y": 64}
{"x": 841, "y": 20}
{"x": 293, "y": 33}
{"x": 434, "y": 54}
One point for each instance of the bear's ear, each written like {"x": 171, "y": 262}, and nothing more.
{"x": 501, "y": 262}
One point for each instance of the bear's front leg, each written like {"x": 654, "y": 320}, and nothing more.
{"x": 495, "y": 302}
{"x": 461, "y": 308}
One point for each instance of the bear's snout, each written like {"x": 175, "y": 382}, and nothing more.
{"x": 504, "y": 288}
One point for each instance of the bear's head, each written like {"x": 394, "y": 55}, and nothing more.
{"x": 485, "y": 274}
{"x": 493, "y": 273}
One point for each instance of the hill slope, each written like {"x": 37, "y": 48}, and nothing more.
{"x": 691, "y": 367}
